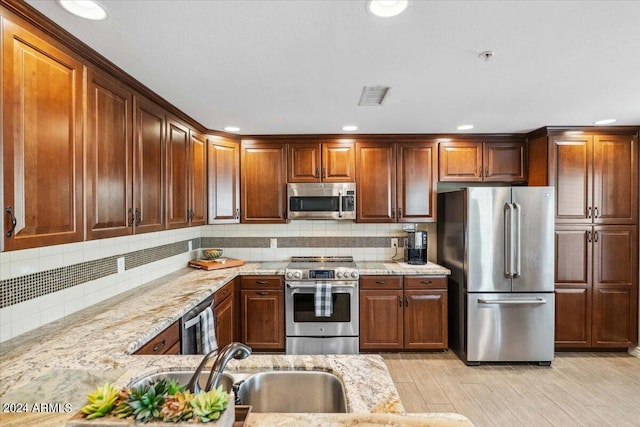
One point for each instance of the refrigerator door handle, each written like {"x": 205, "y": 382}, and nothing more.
{"x": 539, "y": 301}
{"x": 508, "y": 249}
{"x": 518, "y": 245}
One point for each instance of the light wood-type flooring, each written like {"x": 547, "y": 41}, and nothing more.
{"x": 588, "y": 389}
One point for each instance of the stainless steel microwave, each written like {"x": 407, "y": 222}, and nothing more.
{"x": 321, "y": 201}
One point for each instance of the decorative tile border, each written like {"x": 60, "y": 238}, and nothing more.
{"x": 297, "y": 242}
{"x": 24, "y": 288}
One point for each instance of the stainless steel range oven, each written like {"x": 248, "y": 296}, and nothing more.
{"x": 307, "y": 333}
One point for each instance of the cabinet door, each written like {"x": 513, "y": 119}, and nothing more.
{"x": 504, "y": 161}
{"x": 460, "y": 161}
{"x": 224, "y": 180}
{"x": 197, "y": 179}
{"x": 573, "y": 250}
{"x": 263, "y": 319}
{"x": 416, "y": 180}
{"x": 338, "y": 162}
{"x": 381, "y": 320}
{"x": 149, "y": 166}
{"x": 263, "y": 182}
{"x": 177, "y": 174}
{"x": 304, "y": 163}
{"x": 615, "y": 283}
{"x": 224, "y": 315}
{"x": 109, "y": 158}
{"x": 615, "y": 179}
{"x": 376, "y": 182}
{"x": 425, "y": 320}
{"x": 42, "y": 141}
{"x": 571, "y": 164}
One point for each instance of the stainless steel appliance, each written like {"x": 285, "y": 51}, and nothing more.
{"x": 415, "y": 248}
{"x": 498, "y": 243}
{"x": 190, "y": 327}
{"x": 321, "y": 201}
{"x": 305, "y": 332}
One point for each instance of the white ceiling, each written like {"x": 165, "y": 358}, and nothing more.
{"x": 300, "y": 66}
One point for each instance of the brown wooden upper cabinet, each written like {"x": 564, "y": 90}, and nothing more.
{"x": 596, "y": 178}
{"x": 223, "y": 162}
{"x": 321, "y": 162}
{"x": 186, "y": 176}
{"x": 109, "y": 158}
{"x": 396, "y": 181}
{"x": 42, "y": 148}
{"x": 482, "y": 161}
{"x": 263, "y": 168}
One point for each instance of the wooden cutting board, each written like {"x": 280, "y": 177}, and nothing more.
{"x": 205, "y": 264}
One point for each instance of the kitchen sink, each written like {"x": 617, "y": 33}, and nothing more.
{"x": 274, "y": 391}
{"x": 293, "y": 391}
{"x": 183, "y": 378}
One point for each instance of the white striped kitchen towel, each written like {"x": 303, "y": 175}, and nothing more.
{"x": 208, "y": 340}
{"x": 323, "y": 300}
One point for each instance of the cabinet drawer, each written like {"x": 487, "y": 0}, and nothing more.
{"x": 261, "y": 282}
{"x": 223, "y": 293}
{"x": 175, "y": 349}
{"x": 162, "y": 342}
{"x": 425, "y": 282}
{"x": 381, "y": 282}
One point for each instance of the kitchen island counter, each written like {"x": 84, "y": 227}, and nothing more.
{"x": 63, "y": 361}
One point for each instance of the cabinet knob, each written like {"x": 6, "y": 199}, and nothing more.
{"x": 406, "y": 301}
{"x": 399, "y": 301}
{"x": 132, "y": 218}
{"x": 138, "y": 216}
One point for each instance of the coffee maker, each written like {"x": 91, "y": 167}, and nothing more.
{"x": 415, "y": 248}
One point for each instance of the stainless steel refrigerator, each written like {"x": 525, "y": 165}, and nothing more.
{"x": 498, "y": 243}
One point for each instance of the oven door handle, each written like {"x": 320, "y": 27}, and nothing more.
{"x": 313, "y": 287}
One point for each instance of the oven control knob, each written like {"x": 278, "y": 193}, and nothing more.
{"x": 339, "y": 274}
{"x": 297, "y": 275}
{"x": 354, "y": 274}
{"x": 289, "y": 275}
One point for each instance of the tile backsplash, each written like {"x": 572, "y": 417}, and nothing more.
{"x": 38, "y": 286}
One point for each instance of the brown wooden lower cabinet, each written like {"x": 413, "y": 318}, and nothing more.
{"x": 225, "y": 314}
{"x": 163, "y": 343}
{"x": 393, "y": 318}
{"x": 596, "y": 286}
{"x": 262, "y": 312}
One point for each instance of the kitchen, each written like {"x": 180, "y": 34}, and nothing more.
{"x": 262, "y": 232}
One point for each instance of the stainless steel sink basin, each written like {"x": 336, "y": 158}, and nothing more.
{"x": 183, "y": 378}
{"x": 274, "y": 391}
{"x": 293, "y": 391}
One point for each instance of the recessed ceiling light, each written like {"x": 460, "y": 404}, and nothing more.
{"x": 387, "y": 8}
{"x": 86, "y": 9}
{"x": 232, "y": 128}
{"x": 604, "y": 122}
{"x": 349, "y": 128}
{"x": 465, "y": 127}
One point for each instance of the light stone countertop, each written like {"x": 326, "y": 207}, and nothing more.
{"x": 63, "y": 361}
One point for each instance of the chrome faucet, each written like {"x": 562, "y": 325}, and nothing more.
{"x": 234, "y": 350}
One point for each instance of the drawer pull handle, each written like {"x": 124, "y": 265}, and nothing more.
{"x": 159, "y": 346}
{"x": 381, "y": 282}
{"x": 14, "y": 221}
{"x": 263, "y": 293}
{"x": 426, "y": 282}
{"x": 262, "y": 282}
{"x": 399, "y": 301}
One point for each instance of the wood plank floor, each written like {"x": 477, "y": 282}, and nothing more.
{"x": 579, "y": 389}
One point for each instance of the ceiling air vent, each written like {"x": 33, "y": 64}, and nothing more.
{"x": 373, "y": 95}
